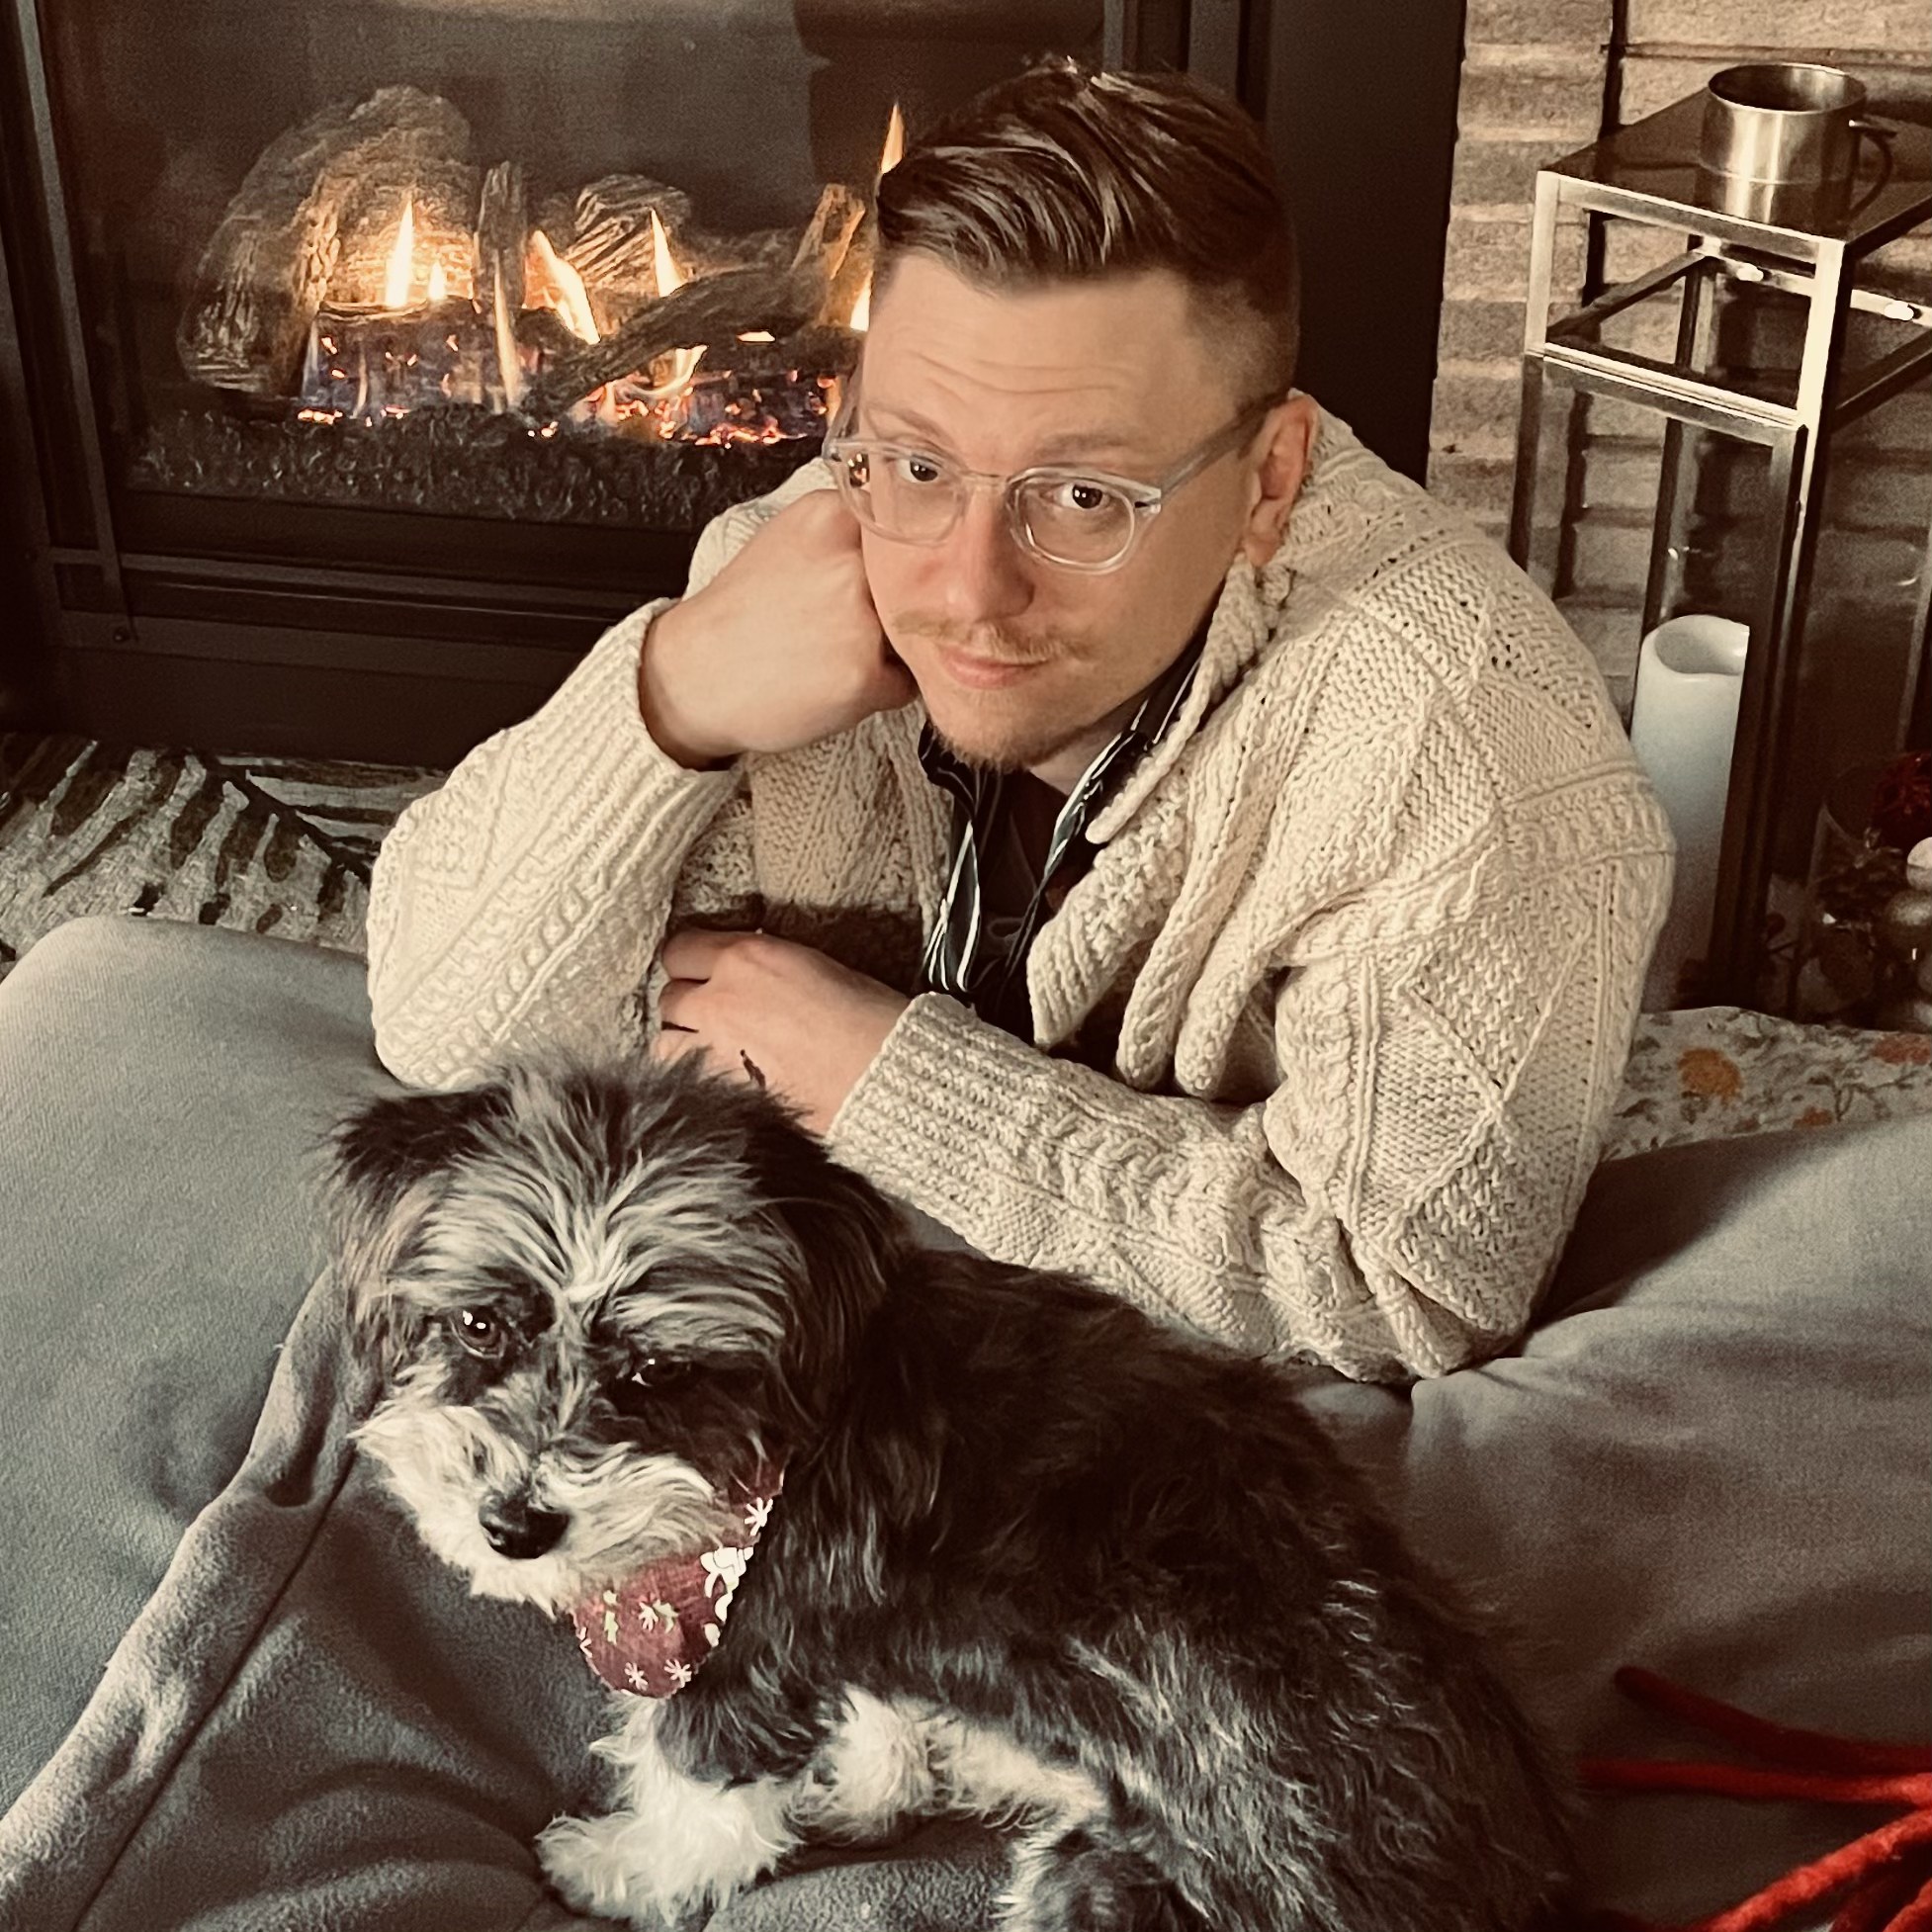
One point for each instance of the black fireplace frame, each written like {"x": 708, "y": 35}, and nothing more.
{"x": 125, "y": 622}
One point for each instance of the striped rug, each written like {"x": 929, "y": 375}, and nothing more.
{"x": 280, "y": 845}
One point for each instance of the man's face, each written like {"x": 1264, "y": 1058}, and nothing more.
{"x": 1022, "y": 663}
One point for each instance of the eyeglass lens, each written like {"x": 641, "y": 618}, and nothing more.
{"x": 913, "y": 498}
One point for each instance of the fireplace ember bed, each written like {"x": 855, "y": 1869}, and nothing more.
{"x": 360, "y": 361}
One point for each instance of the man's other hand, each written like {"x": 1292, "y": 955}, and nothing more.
{"x": 775, "y": 1014}
{"x": 780, "y": 648}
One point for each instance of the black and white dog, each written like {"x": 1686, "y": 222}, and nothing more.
{"x": 961, "y": 1537}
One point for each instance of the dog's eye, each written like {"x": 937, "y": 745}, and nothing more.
{"x": 480, "y": 1332}
{"x": 655, "y": 1371}
{"x": 646, "y": 1377}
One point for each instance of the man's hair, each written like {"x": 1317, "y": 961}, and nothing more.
{"x": 1059, "y": 174}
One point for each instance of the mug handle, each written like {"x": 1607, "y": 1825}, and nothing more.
{"x": 1879, "y": 133}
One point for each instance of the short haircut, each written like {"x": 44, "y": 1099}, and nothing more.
{"x": 1062, "y": 174}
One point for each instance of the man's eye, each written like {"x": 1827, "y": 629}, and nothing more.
{"x": 1076, "y": 493}
{"x": 480, "y": 1332}
{"x": 921, "y": 470}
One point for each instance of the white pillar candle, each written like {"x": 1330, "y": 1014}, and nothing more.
{"x": 1682, "y": 724}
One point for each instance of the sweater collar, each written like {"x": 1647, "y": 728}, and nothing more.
{"x": 1243, "y": 619}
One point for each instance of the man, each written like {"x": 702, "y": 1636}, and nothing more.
{"x": 1129, "y": 821}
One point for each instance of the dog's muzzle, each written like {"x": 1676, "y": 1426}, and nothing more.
{"x": 515, "y": 1529}
{"x": 654, "y": 1633}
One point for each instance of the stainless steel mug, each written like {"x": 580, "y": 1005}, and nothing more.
{"x": 1786, "y": 122}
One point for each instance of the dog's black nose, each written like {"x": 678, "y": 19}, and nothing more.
{"x": 517, "y": 1531}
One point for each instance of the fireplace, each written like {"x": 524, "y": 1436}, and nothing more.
{"x": 361, "y": 359}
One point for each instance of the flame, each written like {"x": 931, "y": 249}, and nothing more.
{"x": 669, "y": 275}
{"x": 439, "y": 282}
{"x": 670, "y": 373}
{"x": 889, "y": 156}
{"x": 673, "y": 373}
{"x": 551, "y": 280}
{"x": 403, "y": 260}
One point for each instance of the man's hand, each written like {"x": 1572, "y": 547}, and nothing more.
{"x": 780, "y": 648}
{"x": 779, "y": 1015}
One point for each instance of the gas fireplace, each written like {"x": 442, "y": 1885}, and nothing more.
{"x": 360, "y": 359}
{"x": 390, "y": 321}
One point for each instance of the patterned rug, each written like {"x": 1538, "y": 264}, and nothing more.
{"x": 285, "y": 846}
{"x": 280, "y": 845}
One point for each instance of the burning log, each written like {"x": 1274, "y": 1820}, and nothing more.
{"x": 312, "y": 212}
{"x": 368, "y": 366}
{"x": 829, "y": 233}
{"x": 611, "y": 244}
{"x": 771, "y": 392}
{"x": 502, "y": 230}
{"x": 714, "y": 312}
{"x": 852, "y": 282}
{"x": 502, "y": 233}
{"x": 547, "y": 332}
{"x": 706, "y": 314}
{"x": 821, "y": 349}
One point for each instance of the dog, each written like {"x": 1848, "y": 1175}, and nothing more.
{"x": 964, "y": 1539}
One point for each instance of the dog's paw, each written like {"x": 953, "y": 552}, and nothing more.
{"x": 1079, "y": 1881}
{"x": 871, "y": 1780}
{"x": 593, "y": 1864}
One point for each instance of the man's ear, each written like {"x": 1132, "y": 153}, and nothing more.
{"x": 1285, "y": 439}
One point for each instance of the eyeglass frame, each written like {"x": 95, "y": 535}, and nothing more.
{"x": 1144, "y": 499}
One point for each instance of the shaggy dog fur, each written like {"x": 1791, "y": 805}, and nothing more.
{"x": 1037, "y": 1558}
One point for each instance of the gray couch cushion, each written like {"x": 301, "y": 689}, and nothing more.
{"x": 160, "y": 1088}
{"x": 1709, "y": 1458}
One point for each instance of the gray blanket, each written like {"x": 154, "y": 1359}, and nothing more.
{"x": 1709, "y": 1458}
{"x": 311, "y": 1725}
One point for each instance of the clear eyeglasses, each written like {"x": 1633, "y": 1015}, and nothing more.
{"x": 1073, "y": 519}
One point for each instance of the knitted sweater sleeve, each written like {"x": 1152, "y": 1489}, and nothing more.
{"x": 521, "y": 905}
{"x": 1392, "y": 1208}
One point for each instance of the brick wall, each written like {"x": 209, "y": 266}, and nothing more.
{"x": 1541, "y": 77}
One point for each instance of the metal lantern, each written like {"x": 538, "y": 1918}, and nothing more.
{"x": 1754, "y": 343}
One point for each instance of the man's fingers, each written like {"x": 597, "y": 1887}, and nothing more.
{"x": 672, "y": 1043}
{"x": 693, "y": 954}
{"x": 675, "y": 1007}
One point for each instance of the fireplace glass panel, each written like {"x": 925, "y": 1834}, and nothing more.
{"x": 566, "y": 261}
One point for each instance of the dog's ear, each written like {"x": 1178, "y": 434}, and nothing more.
{"x": 383, "y": 1161}
{"x": 852, "y": 1242}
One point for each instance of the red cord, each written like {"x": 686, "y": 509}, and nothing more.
{"x": 1742, "y": 1781}
{"x": 1780, "y": 1743}
{"x": 1917, "y": 1915}
{"x": 1818, "y": 1879}
{"x": 1887, "y": 1873}
{"x": 1873, "y": 1905}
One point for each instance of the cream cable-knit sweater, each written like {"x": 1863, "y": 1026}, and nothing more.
{"x": 1363, "y": 942}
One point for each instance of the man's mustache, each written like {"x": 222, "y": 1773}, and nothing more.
{"x": 993, "y": 642}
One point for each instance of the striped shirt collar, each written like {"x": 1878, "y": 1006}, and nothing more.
{"x": 961, "y": 958}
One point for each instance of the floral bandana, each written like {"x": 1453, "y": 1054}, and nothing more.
{"x": 652, "y": 1635}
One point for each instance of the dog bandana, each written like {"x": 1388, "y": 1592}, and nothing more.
{"x": 652, "y": 1635}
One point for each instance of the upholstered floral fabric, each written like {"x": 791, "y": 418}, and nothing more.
{"x": 1712, "y": 1071}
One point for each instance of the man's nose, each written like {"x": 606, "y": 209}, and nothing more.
{"x": 987, "y": 576}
